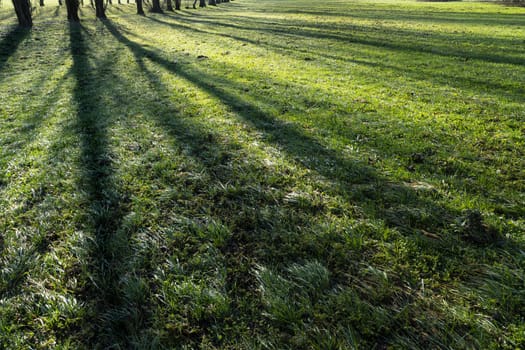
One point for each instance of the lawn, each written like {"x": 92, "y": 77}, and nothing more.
{"x": 264, "y": 175}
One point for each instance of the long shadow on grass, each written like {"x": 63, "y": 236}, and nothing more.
{"x": 435, "y": 76}
{"x": 213, "y": 155}
{"x": 302, "y": 146}
{"x": 489, "y": 19}
{"x": 376, "y": 38}
{"x": 285, "y": 134}
{"x": 10, "y": 42}
{"x": 351, "y": 30}
{"x": 347, "y": 175}
{"x": 105, "y": 206}
{"x": 355, "y": 179}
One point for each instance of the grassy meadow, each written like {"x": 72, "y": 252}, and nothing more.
{"x": 264, "y": 175}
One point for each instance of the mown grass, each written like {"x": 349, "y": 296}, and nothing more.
{"x": 264, "y": 174}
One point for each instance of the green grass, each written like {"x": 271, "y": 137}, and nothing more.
{"x": 264, "y": 174}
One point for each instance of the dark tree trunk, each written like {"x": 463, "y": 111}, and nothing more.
{"x": 169, "y": 6}
{"x": 202, "y": 3}
{"x": 212, "y": 2}
{"x": 110, "y": 2}
{"x": 23, "y": 12}
{"x": 72, "y": 10}
{"x": 156, "y": 7}
{"x": 60, "y": 3}
{"x": 100, "y": 12}
{"x": 177, "y": 4}
{"x": 41, "y": 3}
{"x": 140, "y": 10}
{"x": 195, "y": 3}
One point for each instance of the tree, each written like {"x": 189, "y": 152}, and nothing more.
{"x": 156, "y": 7}
{"x": 202, "y": 3}
{"x": 140, "y": 9}
{"x": 177, "y": 4}
{"x": 169, "y": 6}
{"x": 212, "y": 2}
{"x": 100, "y": 12}
{"x": 23, "y": 13}
{"x": 72, "y": 10}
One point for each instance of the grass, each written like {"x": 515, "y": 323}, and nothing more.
{"x": 264, "y": 174}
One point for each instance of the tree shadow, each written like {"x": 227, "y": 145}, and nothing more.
{"x": 396, "y": 204}
{"x": 414, "y": 15}
{"x": 473, "y": 83}
{"x": 360, "y": 34}
{"x": 300, "y": 146}
{"x": 10, "y": 42}
{"x": 105, "y": 206}
{"x": 354, "y": 179}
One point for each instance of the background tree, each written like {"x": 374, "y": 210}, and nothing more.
{"x": 100, "y": 11}
{"x": 177, "y": 4}
{"x": 202, "y": 3}
{"x": 169, "y": 6}
{"x": 72, "y": 10}
{"x": 140, "y": 9}
{"x": 156, "y": 7}
{"x": 23, "y": 12}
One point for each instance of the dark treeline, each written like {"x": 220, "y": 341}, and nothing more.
{"x": 23, "y": 8}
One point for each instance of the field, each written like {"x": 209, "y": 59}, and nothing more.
{"x": 264, "y": 175}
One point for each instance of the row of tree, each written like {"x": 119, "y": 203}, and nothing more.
{"x": 23, "y": 8}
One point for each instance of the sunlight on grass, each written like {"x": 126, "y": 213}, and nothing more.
{"x": 264, "y": 174}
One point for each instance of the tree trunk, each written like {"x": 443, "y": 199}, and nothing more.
{"x": 41, "y": 3}
{"x": 140, "y": 10}
{"x": 156, "y": 7}
{"x": 60, "y": 3}
{"x": 23, "y": 13}
{"x": 72, "y": 10}
{"x": 177, "y": 4}
{"x": 202, "y": 3}
{"x": 100, "y": 12}
{"x": 212, "y": 2}
{"x": 194, "y": 3}
{"x": 169, "y": 6}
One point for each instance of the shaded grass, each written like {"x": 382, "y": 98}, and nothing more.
{"x": 9, "y": 43}
{"x": 282, "y": 185}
